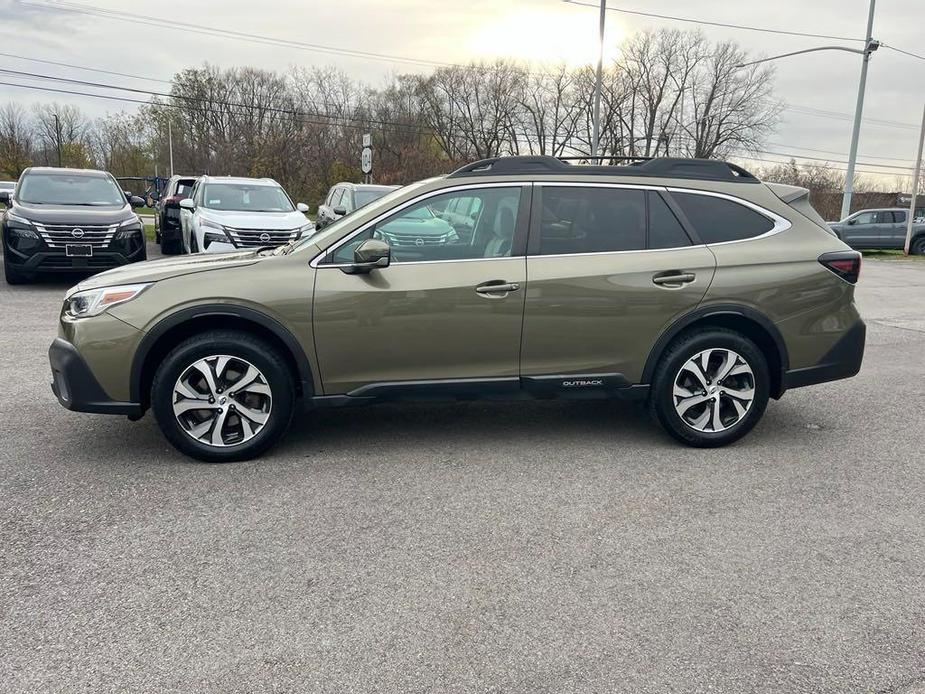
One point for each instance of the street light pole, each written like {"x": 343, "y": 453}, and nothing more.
{"x": 858, "y": 109}
{"x": 915, "y": 187}
{"x": 596, "y": 116}
{"x": 58, "y": 138}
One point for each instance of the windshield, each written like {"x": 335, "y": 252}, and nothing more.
{"x": 245, "y": 197}
{"x": 364, "y": 197}
{"x": 69, "y": 189}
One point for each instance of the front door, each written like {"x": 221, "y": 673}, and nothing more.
{"x": 449, "y": 308}
{"x": 609, "y": 268}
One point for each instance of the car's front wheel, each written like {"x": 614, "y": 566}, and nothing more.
{"x": 917, "y": 247}
{"x": 710, "y": 388}
{"x": 223, "y": 396}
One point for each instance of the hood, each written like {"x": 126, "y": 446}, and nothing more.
{"x": 73, "y": 214}
{"x": 164, "y": 268}
{"x": 270, "y": 221}
{"x": 416, "y": 227}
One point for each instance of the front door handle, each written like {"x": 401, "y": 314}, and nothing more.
{"x": 497, "y": 287}
{"x": 674, "y": 279}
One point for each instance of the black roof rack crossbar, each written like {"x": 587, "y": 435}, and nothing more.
{"x": 665, "y": 167}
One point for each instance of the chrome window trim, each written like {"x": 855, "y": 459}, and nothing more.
{"x": 780, "y": 223}
{"x": 316, "y": 261}
{"x": 635, "y": 250}
{"x": 597, "y": 184}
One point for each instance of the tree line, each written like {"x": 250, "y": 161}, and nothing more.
{"x": 669, "y": 93}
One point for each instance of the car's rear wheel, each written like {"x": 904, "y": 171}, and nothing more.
{"x": 223, "y": 396}
{"x": 917, "y": 247}
{"x": 710, "y": 388}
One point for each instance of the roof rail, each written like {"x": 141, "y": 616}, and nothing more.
{"x": 665, "y": 167}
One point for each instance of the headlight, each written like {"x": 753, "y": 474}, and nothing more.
{"x": 93, "y": 302}
{"x": 305, "y": 230}
{"x": 128, "y": 228}
{"x": 209, "y": 224}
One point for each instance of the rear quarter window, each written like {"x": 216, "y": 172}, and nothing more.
{"x": 717, "y": 220}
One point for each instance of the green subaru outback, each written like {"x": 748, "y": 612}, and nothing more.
{"x": 688, "y": 284}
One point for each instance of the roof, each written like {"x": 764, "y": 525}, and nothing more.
{"x": 67, "y": 172}
{"x": 238, "y": 179}
{"x": 364, "y": 186}
{"x": 666, "y": 167}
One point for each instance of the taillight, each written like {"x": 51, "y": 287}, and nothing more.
{"x": 845, "y": 264}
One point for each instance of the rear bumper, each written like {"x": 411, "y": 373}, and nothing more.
{"x": 842, "y": 361}
{"x": 76, "y": 387}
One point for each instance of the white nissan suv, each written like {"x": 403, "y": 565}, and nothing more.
{"x": 225, "y": 213}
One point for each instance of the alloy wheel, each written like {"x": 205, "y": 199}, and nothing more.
{"x": 713, "y": 390}
{"x": 222, "y": 400}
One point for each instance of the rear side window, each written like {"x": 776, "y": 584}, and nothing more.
{"x": 717, "y": 219}
{"x": 665, "y": 231}
{"x": 591, "y": 220}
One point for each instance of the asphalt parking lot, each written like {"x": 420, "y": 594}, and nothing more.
{"x": 525, "y": 547}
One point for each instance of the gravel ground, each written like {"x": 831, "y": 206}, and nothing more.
{"x": 523, "y": 547}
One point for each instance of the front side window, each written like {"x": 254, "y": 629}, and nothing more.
{"x": 425, "y": 231}
{"x": 69, "y": 189}
{"x": 245, "y": 197}
{"x": 718, "y": 220}
{"x": 865, "y": 218}
{"x": 591, "y": 220}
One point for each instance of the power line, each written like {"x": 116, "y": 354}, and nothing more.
{"x": 80, "y": 67}
{"x": 744, "y": 27}
{"x": 60, "y": 5}
{"x": 900, "y": 50}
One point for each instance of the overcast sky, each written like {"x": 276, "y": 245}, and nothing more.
{"x": 462, "y": 30}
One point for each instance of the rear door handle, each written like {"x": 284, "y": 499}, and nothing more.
{"x": 675, "y": 278}
{"x": 497, "y": 287}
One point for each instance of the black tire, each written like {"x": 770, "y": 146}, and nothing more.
{"x": 917, "y": 247}
{"x": 662, "y": 399}
{"x": 240, "y": 345}
{"x": 12, "y": 275}
{"x": 171, "y": 247}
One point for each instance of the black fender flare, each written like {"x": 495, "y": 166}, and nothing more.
{"x": 218, "y": 310}
{"x": 712, "y": 311}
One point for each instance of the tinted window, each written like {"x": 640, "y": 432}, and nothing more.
{"x": 335, "y": 197}
{"x": 899, "y": 216}
{"x": 591, "y": 220}
{"x": 717, "y": 219}
{"x": 665, "y": 231}
{"x": 184, "y": 188}
{"x": 423, "y": 231}
{"x": 364, "y": 197}
{"x": 69, "y": 189}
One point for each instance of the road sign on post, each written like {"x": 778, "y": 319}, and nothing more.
{"x": 366, "y": 163}
{"x": 367, "y": 139}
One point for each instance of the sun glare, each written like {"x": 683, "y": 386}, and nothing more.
{"x": 547, "y": 36}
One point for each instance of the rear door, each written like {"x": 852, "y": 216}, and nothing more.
{"x": 609, "y": 268}
{"x": 896, "y": 237}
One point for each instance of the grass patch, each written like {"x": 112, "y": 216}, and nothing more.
{"x": 144, "y": 210}
{"x": 891, "y": 255}
{"x": 149, "y": 232}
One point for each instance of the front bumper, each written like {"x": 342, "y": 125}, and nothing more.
{"x": 76, "y": 387}
{"x": 56, "y": 261}
{"x": 842, "y": 361}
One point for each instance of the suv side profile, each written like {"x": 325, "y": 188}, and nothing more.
{"x": 880, "y": 228}
{"x": 344, "y": 198}
{"x": 688, "y": 284}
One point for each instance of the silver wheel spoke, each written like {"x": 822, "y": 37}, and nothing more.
{"x": 208, "y": 417}
{"x": 713, "y": 385}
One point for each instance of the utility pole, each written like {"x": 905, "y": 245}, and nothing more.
{"x": 869, "y": 46}
{"x": 915, "y": 187}
{"x": 58, "y": 138}
{"x": 596, "y": 116}
{"x": 170, "y": 144}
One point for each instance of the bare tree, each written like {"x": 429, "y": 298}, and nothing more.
{"x": 16, "y": 140}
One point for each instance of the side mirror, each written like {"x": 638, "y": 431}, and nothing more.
{"x": 5, "y": 197}
{"x": 136, "y": 201}
{"x": 368, "y": 256}
{"x": 187, "y": 204}
{"x": 127, "y": 194}
{"x": 340, "y": 210}
{"x": 302, "y": 207}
